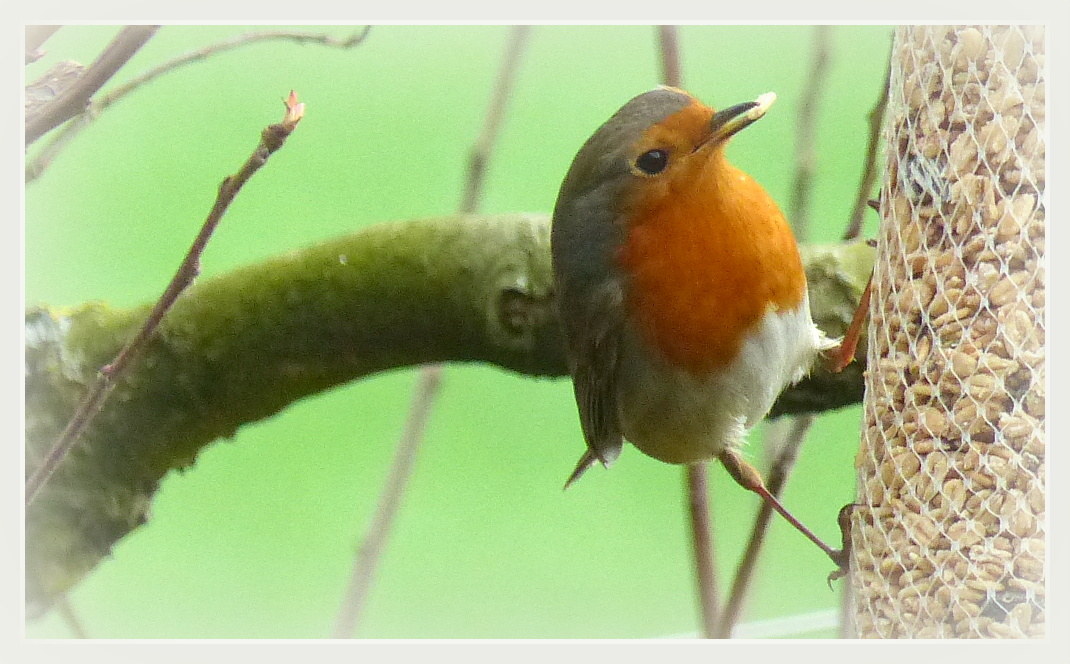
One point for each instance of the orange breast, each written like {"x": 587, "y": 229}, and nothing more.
{"x": 707, "y": 258}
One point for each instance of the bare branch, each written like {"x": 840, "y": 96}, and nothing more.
{"x": 698, "y": 503}
{"x": 670, "y": 55}
{"x": 271, "y": 139}
{"x": 480, "y": 152}
{"x": 805, "y": 130}
{"x": 70, "y": 617}
{"x": 431, "y": 375}
{"x": 227, "y": 45}
{"x": 73, "y": 100}
{"x": 869, "y": 170}
{"x": 63, "y": 137}
{"x": 36, "y": 36}
{"x": 59, "y": 78}
{"x": 375, "y": 537}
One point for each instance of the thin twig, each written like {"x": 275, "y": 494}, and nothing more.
{"x": 869, "y": 170}
{"x": 371, "y": 548}
{"x": 481, "y": 150}
{"x": 36, "y": 36}
{"x": 805, "y": 131}
{"x": 705, "y": 569}
{"x": 73, "y": 100}
{"x": 669, "y": 49}
{"x": 70, "y": 617}
{"x": 783, "y": 463}
{"x": 696, "y": 476}
{"x": 430, "y": 377}
{"x": 68, "y": 132}
{"x": 271, "y": 139}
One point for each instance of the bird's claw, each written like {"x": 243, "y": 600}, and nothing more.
{"x": 842, "y": 557}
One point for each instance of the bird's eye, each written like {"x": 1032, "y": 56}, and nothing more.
{"x": 652, "y": 162}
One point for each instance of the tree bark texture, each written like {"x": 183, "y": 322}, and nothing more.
{"x": 240, "y": 347}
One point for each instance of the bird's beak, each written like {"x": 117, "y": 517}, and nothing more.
{"x": 727, "y": 122}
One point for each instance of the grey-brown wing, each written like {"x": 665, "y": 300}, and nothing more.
{"x": 594, "y": 357}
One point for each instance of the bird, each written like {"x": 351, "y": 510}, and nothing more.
{"x": 680, "y": 289}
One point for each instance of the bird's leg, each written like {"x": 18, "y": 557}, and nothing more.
{"x": 747, "y": 476}
{"x": 837, "y": 359}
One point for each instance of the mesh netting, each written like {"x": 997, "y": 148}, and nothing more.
{"x": 949, "y": 541}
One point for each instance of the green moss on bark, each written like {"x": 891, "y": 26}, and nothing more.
{"x": 242, "y": 346}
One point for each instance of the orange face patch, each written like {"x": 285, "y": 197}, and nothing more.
{"x": 680, "y": 132}
{"x": 707, "y": 250}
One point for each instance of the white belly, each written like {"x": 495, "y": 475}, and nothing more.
{"x": 677, "y": 417}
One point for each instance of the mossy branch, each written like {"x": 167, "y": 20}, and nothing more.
{"x": 242, "y": 346}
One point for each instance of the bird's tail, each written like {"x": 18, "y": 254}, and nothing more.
{"x": 586, "y": 461}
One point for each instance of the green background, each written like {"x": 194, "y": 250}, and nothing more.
{"x": 257, "y": 539}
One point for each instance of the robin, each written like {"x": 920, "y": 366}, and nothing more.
{"x": 680, "y": 288}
